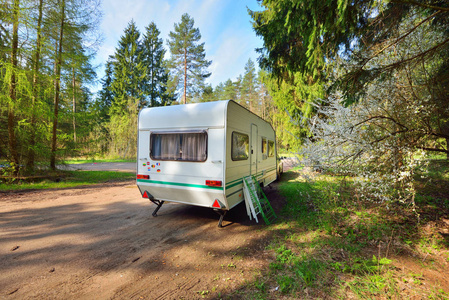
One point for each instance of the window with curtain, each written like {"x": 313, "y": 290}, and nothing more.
{"x": 239, "y": 146}
{"x": 264, "y": 148}
{"x": 270, "y": 148}
{"x": 183, "y": 146}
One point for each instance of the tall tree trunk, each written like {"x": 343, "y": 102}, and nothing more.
{"x": 58, "y": 62}
{"x": 74, "y": 106}
{"x": 185, "y": 75}
{"x": 12, "y": 142}
{"x": 31, "y": 152}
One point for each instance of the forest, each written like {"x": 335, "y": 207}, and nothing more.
{"x": 357, "y": 92}
{"x": 346, "y": 85}
{"x": 48, "y": 111}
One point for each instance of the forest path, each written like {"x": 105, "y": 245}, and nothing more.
{"x": 101, "y": 242}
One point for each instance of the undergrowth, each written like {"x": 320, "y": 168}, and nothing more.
{"x": 329, "y": 243}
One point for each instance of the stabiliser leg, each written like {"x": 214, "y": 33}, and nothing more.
{"x": 222, "y": 213}
{"x": 159, "y": 204}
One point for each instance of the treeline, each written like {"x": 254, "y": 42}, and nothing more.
{"x": 138, "y": 75}
{"x": 366, "y": 84}
{"x": 47, "y": 111}
{"x": 45, "y": 72}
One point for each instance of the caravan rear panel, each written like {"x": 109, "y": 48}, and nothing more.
{"x": 199, "y": 153}
{"x": 180, "y": 150}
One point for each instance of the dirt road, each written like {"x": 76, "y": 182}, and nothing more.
{"x": 102, "y": 243}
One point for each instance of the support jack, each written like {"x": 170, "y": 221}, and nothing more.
{"x": 159, "y": 204}
{"x": 222, "y": 213}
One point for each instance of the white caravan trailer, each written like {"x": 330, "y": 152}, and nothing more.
{"x": 198, "y": 154}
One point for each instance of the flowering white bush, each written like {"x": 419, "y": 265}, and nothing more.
{"x": 403, "y": 112}
{"x": 366, "y": 142}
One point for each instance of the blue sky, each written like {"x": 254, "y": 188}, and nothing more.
{"x": 224, "y": 26}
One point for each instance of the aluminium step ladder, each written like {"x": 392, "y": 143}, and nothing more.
{"x": 256, "y": 202}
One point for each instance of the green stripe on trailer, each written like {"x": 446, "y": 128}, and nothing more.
{"x": 181, "y": 184}
{"x": 240, "y": 180}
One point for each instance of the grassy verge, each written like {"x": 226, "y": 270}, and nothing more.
{"x": 67, "y": 179}
{"x": 330, "y": 244}
{"x": 93, "y": 160}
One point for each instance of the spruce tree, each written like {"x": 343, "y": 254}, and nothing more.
{"x": 156, "y": 78}
{"x": 129, "y": 71}
{"x": 188, "y": 58}
{"x": 105, "y": 96}
{"x": 229, "y": 91}
{"x": 249, "y": 85}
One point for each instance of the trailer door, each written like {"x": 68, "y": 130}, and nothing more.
{"x": 253, "y": 155}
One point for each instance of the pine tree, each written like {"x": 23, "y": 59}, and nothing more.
{"x": 153, "y": 52}
{"x": 229, "y": 91}
{"x": 105, "y": 96}
{"x": 249, "y": 85}
{"x": 188, "y": 58}
{"x": 208, "y": 94}
{"x": 239, "y": 90}
{"x": 129, "y": 71}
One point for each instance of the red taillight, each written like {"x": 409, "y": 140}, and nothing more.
{"x": 143, "y": 176}
{"x": 213, "y": 183}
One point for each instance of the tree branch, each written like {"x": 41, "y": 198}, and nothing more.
{"x": 380, "y": 117}
{"x": 421, "y": 5}
{"x": 399, "y": 38}
{"x": 434, "y": 149}
{"x": 391, "y": 66}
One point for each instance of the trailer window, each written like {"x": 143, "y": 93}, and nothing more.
{"x": 270, "y": 149}
{"x": 179, "y": 146}
{"x": 239, "y": 146}
{"x": 264, "y": 148}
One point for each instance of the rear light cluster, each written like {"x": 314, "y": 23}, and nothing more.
{"x": 216, "y": 183}
{"x": 143, "y": 176}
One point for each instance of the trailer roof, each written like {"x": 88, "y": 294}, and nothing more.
{"x": 194, "y": 115}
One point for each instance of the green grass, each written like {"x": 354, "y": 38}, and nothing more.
{"x": 93, "y": 160}
{"x": 328, "y": 243}
{"x": 69, "y": 179}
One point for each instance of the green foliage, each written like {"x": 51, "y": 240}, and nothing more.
{"x": 332, "y": 244}
{"x": 312, "y": 44}
{"x": 156, "y": 72}
{"x": 121, "y": 128}
{"x": 249, "y": 97}
{"x": 95, "y": 160}
{"x": 302, "y": 36}
{"x": 31, "y": 104}
{"x": 293, "y": 101}
{"x": 136, "y": 77}
{"x": 188, "y": 64}
{"x": 104, "y": 101}
{"x": 128, "y": 73}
